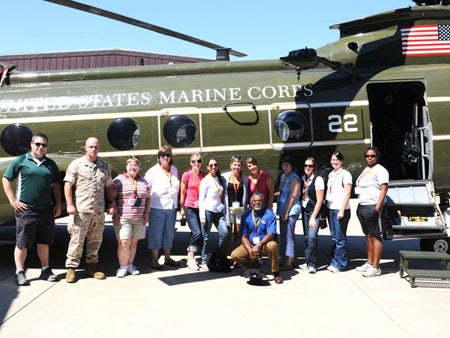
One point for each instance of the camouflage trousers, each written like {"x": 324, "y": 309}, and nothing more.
{"x": 81, "y": 227}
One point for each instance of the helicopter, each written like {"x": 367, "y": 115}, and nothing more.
{"x": 383, "y": 83}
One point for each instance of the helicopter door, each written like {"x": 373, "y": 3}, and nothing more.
{"x": 401, "y": 129}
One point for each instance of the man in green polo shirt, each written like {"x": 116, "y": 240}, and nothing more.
{"x": 38, "y": 177}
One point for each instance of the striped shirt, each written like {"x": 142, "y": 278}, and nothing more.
{"x": 127, "y": 191}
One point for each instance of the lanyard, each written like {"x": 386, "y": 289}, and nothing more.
{"x": 196, "y": 180}
{"x": 364, "y": 173}
{"x": 330, "y": 184}
{"x": 219, "y": 188}
{"x": 256, "y": 222}
{"x": 168, "y": 174}
{"x": 305, "y": 186}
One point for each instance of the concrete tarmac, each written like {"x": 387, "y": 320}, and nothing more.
{"x": 177, "y": 302}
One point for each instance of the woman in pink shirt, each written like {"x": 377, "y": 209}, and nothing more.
{"x": 189, "y": 207}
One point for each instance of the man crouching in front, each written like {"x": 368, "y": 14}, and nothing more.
{"x": 259, "y": 230}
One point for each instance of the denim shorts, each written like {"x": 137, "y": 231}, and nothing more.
{"x": 161, "y": 228}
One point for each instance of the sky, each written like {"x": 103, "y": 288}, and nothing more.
{"x": 263, "y": 29}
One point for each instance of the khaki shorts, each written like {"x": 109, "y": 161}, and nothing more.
{"x": 130, "y": 228}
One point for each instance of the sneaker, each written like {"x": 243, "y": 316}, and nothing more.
{"x": 333, "y": 269}
{"x": 122, "y": 272}
{"x": 363, "y": 268}
{"x": 48, "y": 275}
{"x": 372, "y": 272}
{"x": 155, "y": 265}
{"x": 132, "y": 270}
{"x": 203, "y": 266}
{"x": 21, "y": 280}
{"x": 193, "y": 266}
{"x": 311, "y": 269}
{"x": 303, "y": 266}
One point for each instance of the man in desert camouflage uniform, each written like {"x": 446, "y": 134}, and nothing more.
{"x": 85, "y": 183}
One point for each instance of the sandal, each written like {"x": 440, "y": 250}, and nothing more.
{"x": 278, "y": 279}
{"x": 155, "y": 265}
{"x": 171, "y": 262}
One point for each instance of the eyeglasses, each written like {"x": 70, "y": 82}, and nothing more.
{"x": 213, "y": 165}
{"x": 236, "y": 158}
{"x": 196, "y": 161}
{"x": 43, "y": 145}
{"x": 165, "y": 155}
{"x": 370, "y": 156}
{"x": 308, "y": 166}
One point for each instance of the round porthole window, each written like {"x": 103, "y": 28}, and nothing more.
{"x": 290, "y": 126}
{"x": 124, "y": 134}
{"x": 180, "y": 130}
{"x": 16, "y": 139}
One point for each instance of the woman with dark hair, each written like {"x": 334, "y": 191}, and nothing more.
{"x": 288, "y": 210}
{"x": 212, "y": 209}
{"x": 371, "y": 188}
{"x": 189, "y": 206}
{"x": 164, "y": 186}
{"x": 312, "y": 188}
{"x": 260, "y": 181}
{"x": 338, "y": 194}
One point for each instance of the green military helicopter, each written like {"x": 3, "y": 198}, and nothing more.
{"x": 383, "y": 83}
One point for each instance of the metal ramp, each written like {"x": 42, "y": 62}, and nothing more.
{"x": 411, "y": 211}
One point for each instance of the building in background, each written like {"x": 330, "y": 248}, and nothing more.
{"x": 90, "y": 59}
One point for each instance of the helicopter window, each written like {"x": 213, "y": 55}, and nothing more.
{"x": 290, "y": 126}
{"x": 180, "y": 130}
{"x": 16, "y": 139}
{"x": 124, "y": 134}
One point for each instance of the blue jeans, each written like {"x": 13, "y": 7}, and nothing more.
{"x": 218, "y": 219}
{"x": 338, "y": 231}
{"x": 311, "y": 239}
{"x": 287, "y": 236}
{"x": 193, "y": 221}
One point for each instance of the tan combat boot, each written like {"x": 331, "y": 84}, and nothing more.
{"x": 70, "y": 275}
{"x": 91, "y": 271}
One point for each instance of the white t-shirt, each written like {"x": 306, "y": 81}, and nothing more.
{"x": 335, "y": 188}
{"x": 368, "y": 184}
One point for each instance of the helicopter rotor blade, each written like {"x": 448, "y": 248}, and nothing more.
{"x": 142, "y": 24}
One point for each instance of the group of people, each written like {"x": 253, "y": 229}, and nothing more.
{"x": 239, "y": 206}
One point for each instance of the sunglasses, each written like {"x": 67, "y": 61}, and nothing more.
{"x": 43, "y": 145}
{"x": 308, "y": 166}
{"x": 370, "y": 156}
{"x": 213, "y": 165}
{"x": 165, "y": 155}
{"x": 196, "y": 161}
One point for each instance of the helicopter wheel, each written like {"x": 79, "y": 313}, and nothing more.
{"x": 435, "y": 244}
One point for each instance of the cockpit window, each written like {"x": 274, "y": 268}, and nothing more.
{"x": 16, "y": 139}
{"x": 180, "y": 131}
{"x": 124, "y": 134}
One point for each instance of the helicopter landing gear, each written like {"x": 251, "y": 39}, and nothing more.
{"x": 435, "y": 244}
